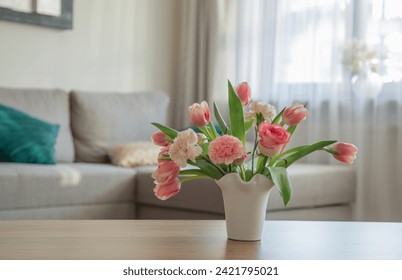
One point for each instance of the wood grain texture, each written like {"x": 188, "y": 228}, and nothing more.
{"x": 162, "y": 239}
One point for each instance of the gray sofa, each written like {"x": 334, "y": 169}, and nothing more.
{"x": 84, "y": 185}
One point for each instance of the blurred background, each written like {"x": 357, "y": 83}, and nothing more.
{"x": 341, "y": 57}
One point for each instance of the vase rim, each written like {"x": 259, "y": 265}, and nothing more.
{"x": 237, "y": 176}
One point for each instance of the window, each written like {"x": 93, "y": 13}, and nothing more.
{"x": 384, "y": 33}
{"x": 309, "y": 39}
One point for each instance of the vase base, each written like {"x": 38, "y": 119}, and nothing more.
{"x": 244, "y": 240}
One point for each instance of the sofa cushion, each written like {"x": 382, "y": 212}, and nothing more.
{"x": 101, "y": 121}
{"x": 36, "y": 186}
{"x": 48, "y": 105}
{"x": 134, "y": 154}
{"x": 314, "y": 185}
{"x": 120, "y": 210}
{"x": 26, "y": 139}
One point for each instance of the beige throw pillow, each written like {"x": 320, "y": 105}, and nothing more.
{"x": 134, "y": 154}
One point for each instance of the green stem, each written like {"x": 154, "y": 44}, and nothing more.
{"x": 212, "y": 130}
{"x": 192, "y": 178}
{"x": 330, "y": 151}
{"x": 263, "y": 163}
{"x": 242, "y": 172}
{"x": 206, "y": 132}
{"x": 254, "y": 149}
{"x": 192, "y": 172}
{"x": 217, "y": 166}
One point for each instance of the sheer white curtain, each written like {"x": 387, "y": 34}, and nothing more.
{"x": 291, "y": 51}
{"x": 201, "y": 63}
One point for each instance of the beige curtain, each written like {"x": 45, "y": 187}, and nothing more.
{"x": 201, "y": 66}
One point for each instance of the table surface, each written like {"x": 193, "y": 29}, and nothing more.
{"x": 194, "y": 240}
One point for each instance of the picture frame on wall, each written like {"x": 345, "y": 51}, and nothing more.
{"x": 48, "y": 13}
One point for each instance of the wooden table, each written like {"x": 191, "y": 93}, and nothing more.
{"x": 144, "y": 239}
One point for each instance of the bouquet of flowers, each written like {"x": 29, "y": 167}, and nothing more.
{"x": 187, "y": 155}
{"x": 356, "y": 56}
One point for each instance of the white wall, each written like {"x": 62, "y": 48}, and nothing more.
{"x": 120, "y": 45}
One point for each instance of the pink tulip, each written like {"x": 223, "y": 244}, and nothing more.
{"x": 159, "y": 138}
{"x": 243, "y": 90}
{"x": 346, "y": 152}
{"x": 164, "y": 191}
{"x": 163, "y": 155}
{"x": 166, "y": 178}
{"x": 166, "y": 172}
{"x": 226, "y": 149}
{"x": 199, "y": 114}
{"x": 273, "y": 138}
{"x": 294, "y": 115}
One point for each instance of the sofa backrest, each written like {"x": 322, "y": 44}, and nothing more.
{"x": 48, "y": 105}
{"x": 101, "y": 121}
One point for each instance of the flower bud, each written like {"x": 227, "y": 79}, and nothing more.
{"x": 243, "y": 90}
{"x": 199, "y": 114}
{"x": 294, "y": 115}
{"x": 159, "y": 138}
{"x": 346, "y": 152}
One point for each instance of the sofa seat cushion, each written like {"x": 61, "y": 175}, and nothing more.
{"x": 49, "y": 105}
{"x": 314, "y": 185}
{"x": 35, "y": 185}
{"x": 101, "y": 121}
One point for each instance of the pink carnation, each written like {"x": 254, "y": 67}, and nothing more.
{"x": 226, "y": 149}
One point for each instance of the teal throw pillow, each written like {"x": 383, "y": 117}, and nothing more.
{"x": 26, "y": 139}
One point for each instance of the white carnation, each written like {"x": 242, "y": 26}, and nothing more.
{"x": 268, "y": 111}
{"x": 185, "y": 147}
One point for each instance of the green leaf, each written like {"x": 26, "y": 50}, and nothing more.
{"x": 260, "y": 119}
{"x": 198, "y": 172}
{"x": 222, "y": 124}
{"x": 249, "y": 174}
{"x": 205, "y": 148}
{"x": 265, "y": 172}
{"x": 304, "y": 152}
{"x": 236, "y": 115}
{"x": 290, "y": 151}
{"x": 172, "y": 133}
{"x": 248, "y": 125}
{"x": 206, "y": 132}
{"x": 212, "y": 129}
{"x": 208, "y": 168}
{"x": 281, "y": 180}
{"x": 278, "y": 117}
{"x": 262, "y": 161}
{"x": 291, "y": 129}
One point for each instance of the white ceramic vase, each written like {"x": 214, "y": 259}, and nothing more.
{"x": 245, "y": 205}
{"x": 367, "y": 83}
